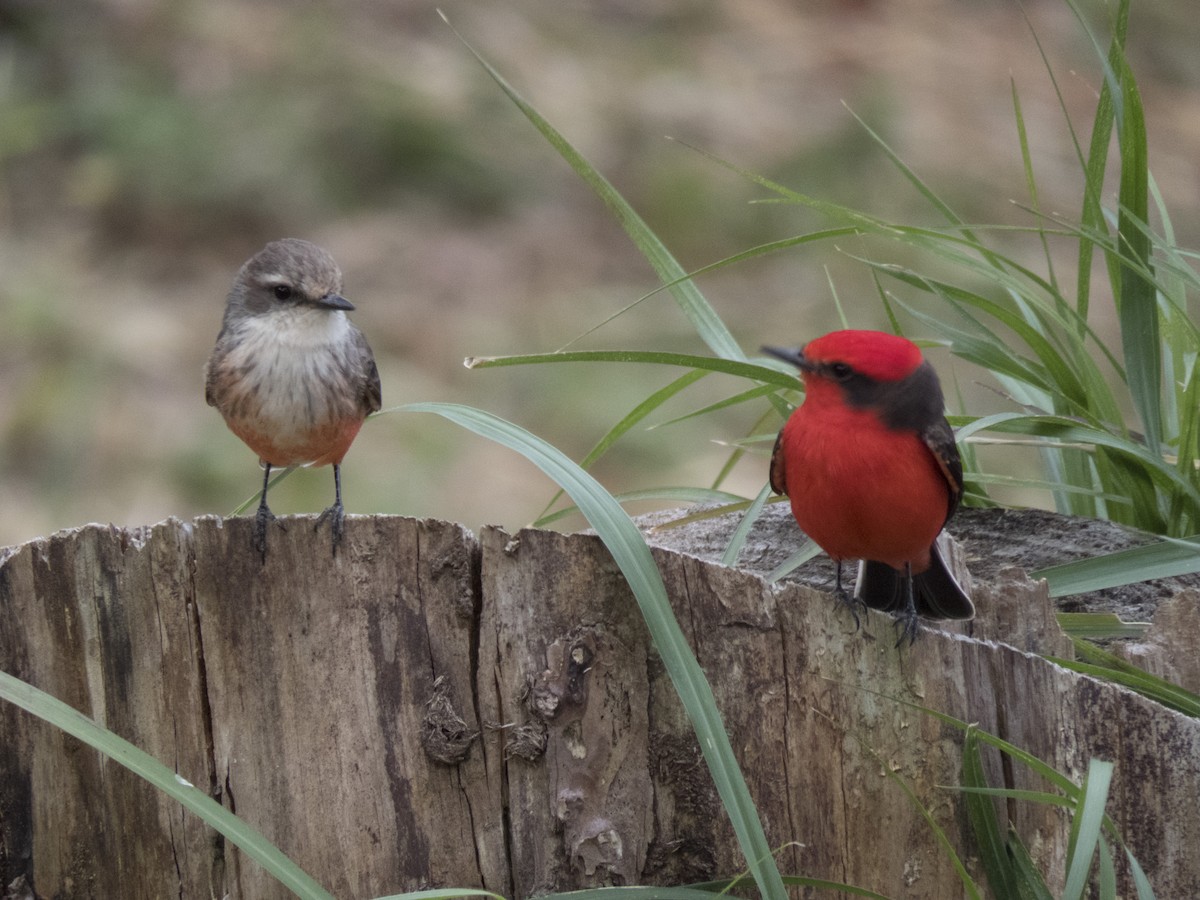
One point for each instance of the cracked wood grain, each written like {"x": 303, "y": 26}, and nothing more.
{"x": 431, "y": 709}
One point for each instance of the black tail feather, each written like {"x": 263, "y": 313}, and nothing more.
{"x": 935, "y": 591}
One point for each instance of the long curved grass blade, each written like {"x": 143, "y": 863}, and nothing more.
{"x": 636, "y": 893}
{"x": 1085, "y": 827}
{"x": 742, "y": 256}
{"x": 767, "y": 373}
{"x": 688, "y": 495}
{"x": 825, "y": 885}
{"x": 807, "y": 551}
{"x": 985, "y": 825}
{"x": 704, "y": 319}
{"x": 738, "y": 539}
{"x": 1137, "y": 301}
{"x": 1065, "y": 430}
{"x": 1027, "y": 163}
{"x": 1043, "y": 797}
{"x": 1098, "y": 626}
{"x": 1140, "y": 882}
{"x": 1100, "y": 663}
{"x": 1162, "y": 559}
{"x": 1106, "y": 881}
{"x": 248, "y": 840}
{"x": 631, "y": 553}
{"x": 444, "y": 894}
{"x": 635, "y": 415}
{"x": 970, "y": 889}
{"x": 1031, "y": 879}
{"x": 251, "y": 500}
{"x": 744, "y": 397}
{"x": 706, "y": 891}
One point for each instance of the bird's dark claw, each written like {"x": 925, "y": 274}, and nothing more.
{"x": 262, "y": 520}
{"x": 908, "y": 624}
{"x": 907, "y": 621}
{"x": 851, "y": 601}
{"x": 336, "y": 515}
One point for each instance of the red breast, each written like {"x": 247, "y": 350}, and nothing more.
{"x": 860, "y": 489}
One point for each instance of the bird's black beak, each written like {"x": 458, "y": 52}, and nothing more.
{"x": 793, "y": 355}
{"x": 335, "y": 301}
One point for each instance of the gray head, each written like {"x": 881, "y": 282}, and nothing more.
{"x": 286, "y": 274}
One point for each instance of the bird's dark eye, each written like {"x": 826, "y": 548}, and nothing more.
{"x": 282, "y": 292}
{"x": 840, "y": 371}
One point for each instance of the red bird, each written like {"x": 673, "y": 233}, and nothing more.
{"x": 869, "y": 463}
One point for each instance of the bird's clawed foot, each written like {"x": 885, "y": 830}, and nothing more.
{"x": 262, "y": 519}
{"x": 336, "y": 515}
{"x": 852, "y": 602}
{"x": 907, "y": 621}
{"x": 908, "y": 625}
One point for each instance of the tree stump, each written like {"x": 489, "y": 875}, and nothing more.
{"x": 431, "y": 709}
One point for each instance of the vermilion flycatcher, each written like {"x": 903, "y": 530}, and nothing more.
{"x": 869, "y": 463}
{"x": 290, "y": 373}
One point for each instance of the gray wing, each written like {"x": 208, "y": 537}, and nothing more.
{"x": 371, "y": 395}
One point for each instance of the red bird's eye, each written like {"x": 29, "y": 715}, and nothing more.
{"x": 282, "y": 292}
{"x": 840, "y": 371}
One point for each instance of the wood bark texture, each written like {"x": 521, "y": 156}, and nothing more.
{"x": 431, "y": 709}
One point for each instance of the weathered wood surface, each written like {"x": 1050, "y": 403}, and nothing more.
{"x": 429, "y": 709}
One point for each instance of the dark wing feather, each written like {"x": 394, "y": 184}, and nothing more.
{"x": 939, "y": 438}
{"x": 778, "y": 481}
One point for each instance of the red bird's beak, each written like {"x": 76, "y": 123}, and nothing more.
{"x": 793, "y": 355}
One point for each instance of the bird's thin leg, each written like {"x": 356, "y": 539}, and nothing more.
{"x": 264, "y": 516}
{"x": 907, "y": 622}
{"x": 846, "y": 599}
{"x": 336, "y": 513}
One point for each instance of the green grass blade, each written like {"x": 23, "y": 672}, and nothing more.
{"x": 1043, "y": 797}
{"x": 1032, "y": 884}
{"x": 1091, "y": 215}
{"x": 981, "y": 813}
{"x": 703, "y": 318}
{"x": 826, "y": 885}
{"x": 1137, "y": 298}
{"x": 1099, "y": 626}
{"x": 444, "y": 894}
{"x": 1085, "y": 828}
{"x": 688, "y": 495}
{"x": 637, "y": 892}
{"x": 771, "y": 374}
{"x": 1100, "y": 663}
{"x": 142, "y": 764}
{"x": 1144, "y": 465}
{"x": 807, "y": 551}
{"x": 738, "y": 539}
{"x": 253, "y": 499}
{"x": 742, "y": 256}
{"x": 1106, "y": 882}
{"x": 1031, "y": 180}
{"x": 970, "y": 889}
{"x": 1162, "y": 559}
{"x": 1140, "y": 882}
{"x": 632, "y": 555}
{"x": 754, "y": 393}
{"x": 637, "y": 414}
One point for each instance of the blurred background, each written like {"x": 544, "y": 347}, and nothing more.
{"x": 148, "y": 147}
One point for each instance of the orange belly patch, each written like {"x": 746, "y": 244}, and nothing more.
{"x": 320, "y": 445}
